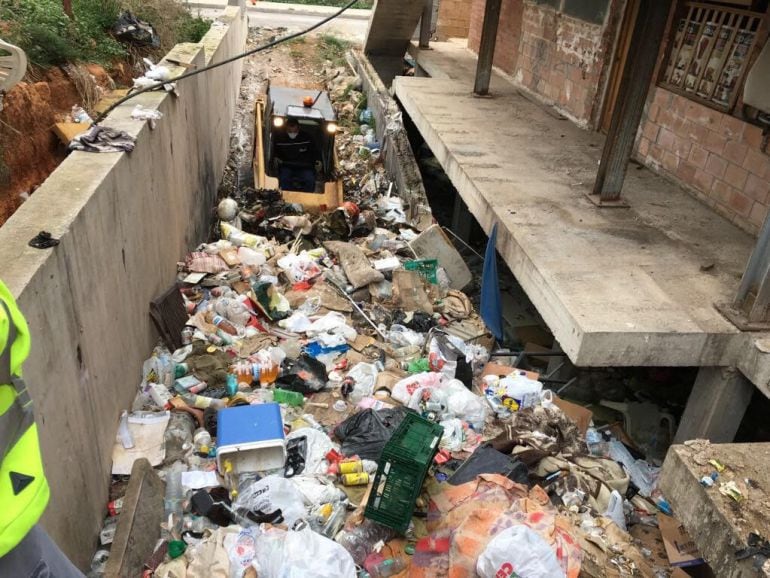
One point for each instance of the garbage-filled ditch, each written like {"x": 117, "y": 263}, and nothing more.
{"x": 327, "y": 401}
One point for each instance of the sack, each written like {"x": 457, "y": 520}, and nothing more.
{"x": 519, "y": 551}
{"x": 301, "y": 554}
{"x": 357, "y": 268}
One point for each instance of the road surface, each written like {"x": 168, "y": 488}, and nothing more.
{"x": 353, "y": 29}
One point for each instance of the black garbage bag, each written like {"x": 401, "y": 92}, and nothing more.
{"x": 306, "y": 376}
{"x": 366, "y": 433}
{"x": 129, "y": 29}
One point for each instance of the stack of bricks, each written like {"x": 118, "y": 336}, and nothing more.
{"x": 714, "y": 155}
{"x": 557, "y": 57}
{"x": 454, "y": 19}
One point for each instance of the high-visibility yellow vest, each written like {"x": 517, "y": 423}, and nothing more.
{"x": 23, "y": 488}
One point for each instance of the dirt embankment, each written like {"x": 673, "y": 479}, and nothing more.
{"x": 29, "y": 150}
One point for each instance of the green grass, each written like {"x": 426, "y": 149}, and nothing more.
{"x": 49, "y": 37}
{"x": 332, "y": 48}
{"x": 337, "y": 3}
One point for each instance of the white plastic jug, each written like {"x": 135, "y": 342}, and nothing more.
{"x": 523, "y": 391}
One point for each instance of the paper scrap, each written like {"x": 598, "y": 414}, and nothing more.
{"x": 196, "y": 480}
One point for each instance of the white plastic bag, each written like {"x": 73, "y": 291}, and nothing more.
{"x": 403, "y": 390}
{"x": 318, "y": 445}
{"x": 270, "y": 494}
{"x": 302, "y": 554}
{"x": 317, "y": 489}
{"x": 242, "y": 550}
{"x": 365, "y": 376}
{"x": 402, "y": 336}
{"x": 466, "y": 405}
{"x": 332, "y": 330}
{"x": 452, "y": 440}
{"x": 519, "y": 551}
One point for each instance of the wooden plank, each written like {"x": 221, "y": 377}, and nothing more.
{"x": 139, "y": 526}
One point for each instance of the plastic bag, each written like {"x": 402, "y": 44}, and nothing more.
{"x": 297, "y": 323}
{"x": 443, "y": 352}
{"x": 360, "y": 540}
{"x": 306, "y": 376}
{"x": 519, "y": 551}
{"x": 300, "y": 267}
{"x": 404, "y": 389}
{"x": 243, "y": 551}
{"x": 453, "y": 437}
{"x": 465, "y": 404}
{"x": 318, "y": 445}
{"x": 240, "y": 238}
{"x": 401, "y": 336}
{"x": 250, "y": 257}
{"x": 128, "y": 28}
{"x": 270, "y": 494}
{"x": 365, "y": 434}
{"x": 301, "y": 554}
{"x": 364, "y": 376}
{"x": 317, "y": 489}
{"x": 332, "y": 330}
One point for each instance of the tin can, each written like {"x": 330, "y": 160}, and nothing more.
{"x": 360, "y": 479}
{"x": 115, "y": 506}
{"x": 351, "y": 467}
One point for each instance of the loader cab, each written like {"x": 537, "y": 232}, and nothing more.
{"x": 314, "y": 112}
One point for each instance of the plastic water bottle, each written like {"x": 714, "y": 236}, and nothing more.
{"x": 125, "y": 434}
{"x": 173, "y": 500}
{"x": 389, "y": 567}
{"x": 224, "y": 325}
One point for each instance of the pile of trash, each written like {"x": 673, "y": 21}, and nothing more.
{"x": 327, "y": 402}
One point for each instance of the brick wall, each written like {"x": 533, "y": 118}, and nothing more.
{"x": 556, "y": 57}
{"x": 454, "y": 19}
{"x": 716, "y": 156}
{"x": 508, "y": 32}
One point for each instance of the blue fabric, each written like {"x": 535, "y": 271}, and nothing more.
{"x": 300, "y": 179}
{"x": 491, "y": 303}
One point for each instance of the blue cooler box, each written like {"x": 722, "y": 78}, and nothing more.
{"x": 250, "y": 438}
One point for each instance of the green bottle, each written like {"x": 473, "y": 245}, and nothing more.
{"x": 292, "y": 398}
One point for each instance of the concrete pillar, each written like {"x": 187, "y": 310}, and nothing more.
{"x": 462, "y": 220}
{"x": 487, "y": 46}
{"x": 716, "y": 405}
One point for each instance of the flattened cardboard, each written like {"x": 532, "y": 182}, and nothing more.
{"x": 682, "y": 551}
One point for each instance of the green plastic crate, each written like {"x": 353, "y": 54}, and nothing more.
{"x": 427, "y": 268}
{"x": 401, "y": 472}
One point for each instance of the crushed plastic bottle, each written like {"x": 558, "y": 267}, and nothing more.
{"x": 174, "y": 511}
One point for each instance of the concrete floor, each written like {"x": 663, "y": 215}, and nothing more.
{"x": 618, "y": 287}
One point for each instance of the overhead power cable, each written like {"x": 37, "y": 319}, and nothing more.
{"x": 320, "y": 23}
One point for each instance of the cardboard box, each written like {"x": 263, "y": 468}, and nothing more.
{"x": 501, "y": 370}
{"x": 582, "y": 416}
{"x": 680, "y": 548}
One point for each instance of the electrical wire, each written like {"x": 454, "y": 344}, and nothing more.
{"x": 315, "y": 26}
